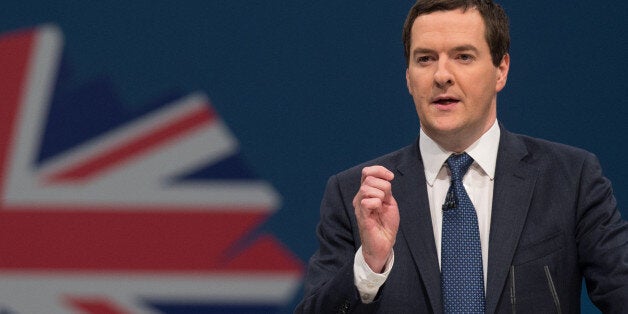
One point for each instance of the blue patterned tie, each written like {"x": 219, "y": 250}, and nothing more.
{"x": 462, "y": 278}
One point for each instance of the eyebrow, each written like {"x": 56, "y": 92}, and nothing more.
{"x": 465, "y": 48}
{"x": 456, "y": 49}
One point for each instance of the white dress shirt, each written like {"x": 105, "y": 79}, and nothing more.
{"x": 478, "y": 183}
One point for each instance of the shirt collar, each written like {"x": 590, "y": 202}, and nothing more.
{"x": 483, "y": 152}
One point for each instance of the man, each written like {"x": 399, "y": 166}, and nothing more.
{"x": 470, "y": 218}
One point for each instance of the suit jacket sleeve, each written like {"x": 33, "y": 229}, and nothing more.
{"x": 602, "y": 238}
{"x": 329, "y": 283}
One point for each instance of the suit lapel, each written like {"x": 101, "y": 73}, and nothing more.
{"x": 512, "y": 193}
{"x": 409, "y": 188}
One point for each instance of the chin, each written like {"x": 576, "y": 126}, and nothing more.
{"x": 444, "y": 127}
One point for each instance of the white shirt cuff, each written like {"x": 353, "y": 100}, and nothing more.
{"x": 366, "y": 280}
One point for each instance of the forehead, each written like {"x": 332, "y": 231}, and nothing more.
{"x": 449, "y": 27}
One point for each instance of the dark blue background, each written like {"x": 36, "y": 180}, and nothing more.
{"x": 311, "y": 88}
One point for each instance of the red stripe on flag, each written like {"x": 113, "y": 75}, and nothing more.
{"x": 95, "y": 306}
{"x": 137, "y": 241}
{"x": 264, "y": 251}
{"x": 141, "y": 144}
{"x": 14, "y": 60}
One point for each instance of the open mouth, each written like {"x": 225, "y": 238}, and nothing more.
{"x": 445, "y": 101}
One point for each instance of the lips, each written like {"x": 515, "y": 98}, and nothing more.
{"x": 445, "y": 100}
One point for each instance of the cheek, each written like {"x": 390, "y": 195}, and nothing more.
{"x": 410, "y": 81}
{"x": 419, "y": 82}
{"x": 479, "y": 87}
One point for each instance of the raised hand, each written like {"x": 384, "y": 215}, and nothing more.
{"x": 377, "y": 216}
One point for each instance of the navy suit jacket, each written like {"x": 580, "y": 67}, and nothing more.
{"x": 554, "y": 221}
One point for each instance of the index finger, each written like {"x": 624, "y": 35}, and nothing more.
{"x": 378, "y": 172}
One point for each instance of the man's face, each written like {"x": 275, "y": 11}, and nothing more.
{"x": 451, "y": 77}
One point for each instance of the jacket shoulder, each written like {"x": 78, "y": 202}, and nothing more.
{"x": 544, "y": 150}
{"x": 390, "y": 161}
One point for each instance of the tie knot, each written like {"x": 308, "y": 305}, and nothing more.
{"x": 458, "y": 165}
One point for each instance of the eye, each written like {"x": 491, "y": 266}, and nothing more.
{"x": 465, "y": 58}
{"x": 423, "y": 60}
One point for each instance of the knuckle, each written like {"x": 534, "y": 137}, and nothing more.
{"x": 365, "y": 171}
{"x": 387, "y": 185}
{"x": 370, "y": 203}
{"x": 363, "y": 191}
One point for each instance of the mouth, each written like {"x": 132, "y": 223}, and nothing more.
{"x": 445, "y": 100}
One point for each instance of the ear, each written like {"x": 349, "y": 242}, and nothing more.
{"x": 502, "y": 73}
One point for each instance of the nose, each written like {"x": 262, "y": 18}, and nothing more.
{"x": 443, "y": 78}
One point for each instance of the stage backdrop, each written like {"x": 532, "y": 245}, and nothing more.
{"x": 170, "y": 157}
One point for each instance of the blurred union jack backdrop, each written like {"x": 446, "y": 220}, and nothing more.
{"x": 103, "y": 213}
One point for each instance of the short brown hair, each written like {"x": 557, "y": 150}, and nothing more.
{"x": 497, "y": 33}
